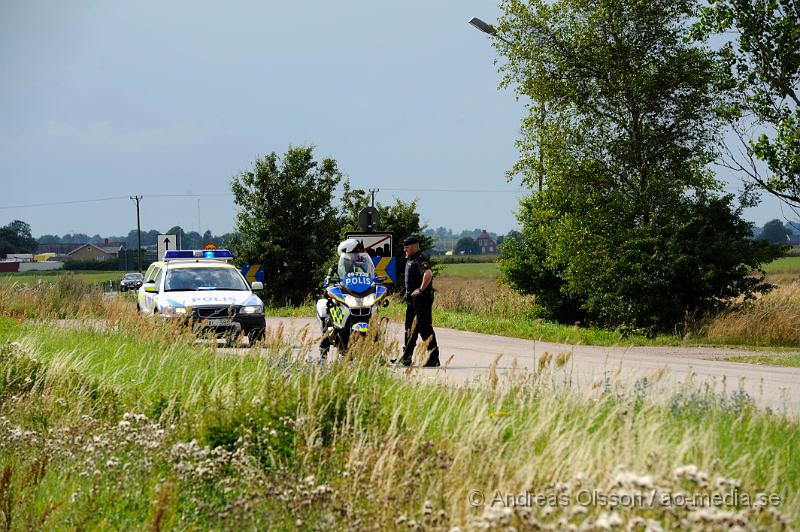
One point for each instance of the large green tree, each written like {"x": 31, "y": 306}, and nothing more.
{"x": 774, "y": 231}
{"x": 16, "y": 238}
{"x": 287, "y": 221}
{"x": 763, "y": 50}
{"x": 629, "y": 229}
{"x": 467, "y": 245}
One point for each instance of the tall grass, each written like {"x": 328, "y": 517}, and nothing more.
{"x": 481, "y": 296}
{"x": 125, "y": 428}
{"x": 773, "y": 319}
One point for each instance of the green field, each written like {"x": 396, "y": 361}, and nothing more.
{"x": 88, "y": 276}
{"x": 485, "y": 270}
{"x": 784, "y": 265}
{"x": 135, "y": 427}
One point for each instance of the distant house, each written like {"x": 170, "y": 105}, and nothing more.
{"x": 108, "y": 251}
{"x": 486, "y": 243}
{"x": 59, "y": 248}
{"x": 794, "y": 239}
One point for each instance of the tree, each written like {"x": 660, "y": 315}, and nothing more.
{"x": 287, "y": 220}
{"x": 774, "y": 231}
{"x": 400, "y": 218}
{"x": 467, "y": 246}
{"x": 16, "y": 238}
{"x": 49, "y": 239}
{"x": 621, "y": 232}
{"x": 764, "y": 56}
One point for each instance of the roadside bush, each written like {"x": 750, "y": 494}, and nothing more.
{"x": 695, "y": 262}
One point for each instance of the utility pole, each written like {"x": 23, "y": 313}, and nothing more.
{"x": 137, "y": 199}
{"x": 373, "y": 191}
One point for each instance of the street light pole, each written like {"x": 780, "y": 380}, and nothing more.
{"x": 490, "y": 30}
{"x": 137, "y": 199}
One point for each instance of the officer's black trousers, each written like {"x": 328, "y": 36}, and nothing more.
{"x": 419, "y": 322}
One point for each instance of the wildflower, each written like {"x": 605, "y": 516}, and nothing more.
{"x": 623, "y": 478}
{"x": 427, "y": 508}
{"x": 607, "y": 521}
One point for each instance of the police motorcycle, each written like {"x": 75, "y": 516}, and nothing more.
{"x": 352, "y": 295}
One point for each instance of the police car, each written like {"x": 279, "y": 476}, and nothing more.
{"x": 202, "y": 287}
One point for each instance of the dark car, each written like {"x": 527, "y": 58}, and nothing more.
{"x": 131, "y": 281}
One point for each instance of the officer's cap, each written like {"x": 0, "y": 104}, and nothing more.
{"x": 413, "y": 239}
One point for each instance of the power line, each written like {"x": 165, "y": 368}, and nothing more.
{"x": 228, "y": 194}
{"x": 110, "y": 198}
{"x": 65, "y": 202}
{"x": 516, "y": 191}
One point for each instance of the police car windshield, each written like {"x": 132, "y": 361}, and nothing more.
{"x": 355, "y": 263}
{"x": 190, "y": 279}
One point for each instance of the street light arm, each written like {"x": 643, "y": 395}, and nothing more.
{"x": 486, "y": 28}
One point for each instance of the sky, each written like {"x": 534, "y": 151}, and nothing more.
{"x": 112, "y": 98}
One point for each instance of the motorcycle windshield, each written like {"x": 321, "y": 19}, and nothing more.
{"x": 355, "y": 263}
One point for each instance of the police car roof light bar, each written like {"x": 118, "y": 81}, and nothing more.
{"x": 219, "y": 254}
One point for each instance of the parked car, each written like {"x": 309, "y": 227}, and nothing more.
{"x": 131, "y": 281}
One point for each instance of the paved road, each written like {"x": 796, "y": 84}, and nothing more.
{"x": 590, "y": 367}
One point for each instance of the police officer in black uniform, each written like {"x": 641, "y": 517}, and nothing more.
{"x": 419, "y": 298}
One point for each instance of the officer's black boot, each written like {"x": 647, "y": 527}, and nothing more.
{"x": 433, "y": 359}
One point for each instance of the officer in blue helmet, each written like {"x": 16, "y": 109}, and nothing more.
{"x": 419, "y": 303}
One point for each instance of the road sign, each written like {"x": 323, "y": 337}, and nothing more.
{"x": 387, "y": 267}
{"x": 166, "y": 242}
{"x": 210, "y": 245}
{"x": 376, "y": 244}
{"x": 253, "y": 273}
{"x": 379, "y": 247}
{"x": 369, "y": 218}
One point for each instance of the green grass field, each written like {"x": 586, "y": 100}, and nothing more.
{"x": 784, "y": 265}
{"x": 485, "y": 270}
{"x": 88, "y": 276}
{"x": 136, "y": 427}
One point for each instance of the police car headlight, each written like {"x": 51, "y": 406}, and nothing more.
{"x": 369, "y": 300}
{"x": 252, "y": 309}
{"x": 173, "y": 311}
